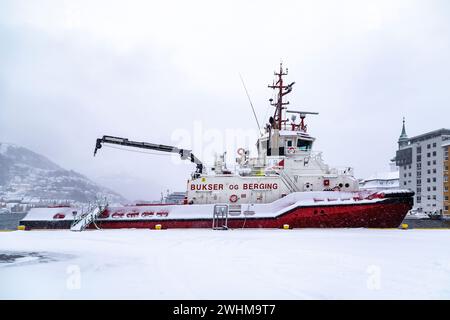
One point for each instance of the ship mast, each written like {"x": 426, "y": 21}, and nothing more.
{"x": 277, "y": 120}
{"x": 282, "y": 91}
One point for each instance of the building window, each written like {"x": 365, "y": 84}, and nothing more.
{"x": 419, "y": 182}
{"x": 404, "y": 183}
{"x": 428, "y": 146}
{"x": 428, "y": 171}
{"x": 418, "y": 199}
{"x": 434, "y": 179}
{"x": 434, "y": 145}
{"x": 428, "y": 155}
{"x": 419, "y": 149}
{"x": 434, "y": 197}
{"x": 434, "y": 170}
{"x": 446, "y": 208}
{"x": 434, "y": 188}
{"x": 409, "y": 174}
{"x": 428, "y": 188}
{"x": 434, "y": 161}
{"x": 428, "y": 180}
{"x": 429, "y": 163}
{"x": 434, "y": 153}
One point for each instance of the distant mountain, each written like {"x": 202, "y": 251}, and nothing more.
{"x": 26, "y": 174}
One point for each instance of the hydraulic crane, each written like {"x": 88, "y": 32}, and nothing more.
{"x": 184, "y": 154}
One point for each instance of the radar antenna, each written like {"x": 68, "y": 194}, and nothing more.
{"x": 302, "y": 115}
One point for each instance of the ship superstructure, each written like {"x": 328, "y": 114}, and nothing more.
{"x": 285, "y": 162}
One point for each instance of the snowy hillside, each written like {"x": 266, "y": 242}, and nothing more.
{"x": 26, "y": 174}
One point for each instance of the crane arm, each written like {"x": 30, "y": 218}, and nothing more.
{"x": 184, "y": 153}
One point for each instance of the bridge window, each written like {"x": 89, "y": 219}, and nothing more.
{"x": 304, "y": 144}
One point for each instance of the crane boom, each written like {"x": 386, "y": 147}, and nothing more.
{"x": 184, "y": 153}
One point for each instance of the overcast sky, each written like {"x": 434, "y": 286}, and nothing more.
{"x": 168, "y": 72}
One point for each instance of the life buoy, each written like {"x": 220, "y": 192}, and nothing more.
{"x": 148, "y": 213}
{"x": 233, "y": 198}
{"x": 291, "y": 150}
{"x": 118, "y": 215}
{"x": 240, "y": 151}
{"x": 104, "y": 215}
{"x": 162, "y": 214}
{"x": 132, "y": 214}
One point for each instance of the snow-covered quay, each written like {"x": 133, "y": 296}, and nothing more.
{"x": 234, "y": 264}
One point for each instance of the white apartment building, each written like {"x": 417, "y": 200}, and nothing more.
{"x": 421, "y": 168}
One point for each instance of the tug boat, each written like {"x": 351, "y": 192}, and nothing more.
{"x": 288, "y": 185}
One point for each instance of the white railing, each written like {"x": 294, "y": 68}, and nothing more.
{"x": 85, "y": 219}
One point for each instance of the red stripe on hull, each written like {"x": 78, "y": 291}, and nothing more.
{"x": 376, "y": 215}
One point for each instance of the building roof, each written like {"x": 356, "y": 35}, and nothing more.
{"x": 391, "y": 175}
{"x": 430, "y": 135}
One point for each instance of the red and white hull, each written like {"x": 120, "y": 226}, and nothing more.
{"x": 298, "y": 210}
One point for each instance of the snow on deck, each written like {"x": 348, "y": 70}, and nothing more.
{"x": 205, "y": 211}
{"x": 234, "y": 264}
{"x": 55, "y": 213}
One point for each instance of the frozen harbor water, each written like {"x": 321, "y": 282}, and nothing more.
{"x": 234, "y": 264}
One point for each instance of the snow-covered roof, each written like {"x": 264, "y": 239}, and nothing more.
{"x": 429, "y": 135}
{"x": 391, "y": 175}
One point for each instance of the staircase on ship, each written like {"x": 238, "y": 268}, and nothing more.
{"x": 88, "y": 217}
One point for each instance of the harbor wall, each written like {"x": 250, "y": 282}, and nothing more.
{"x": 427, "y": 223}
